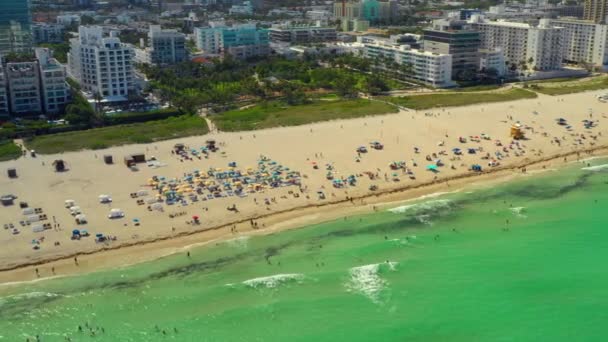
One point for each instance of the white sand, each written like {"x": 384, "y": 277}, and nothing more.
{"x": 294, "y": 147}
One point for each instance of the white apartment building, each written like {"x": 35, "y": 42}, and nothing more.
{"x": 539, "y": 48}
{"x": 166, "y": 47}
{"x": 54, "y": 91}
{"x": 430, "y": 68}
{"x": 24, "y": 87}
{"x": 584, "y": 41}
{"x": 101, "y": 65}
{"x": 492, "y": 60}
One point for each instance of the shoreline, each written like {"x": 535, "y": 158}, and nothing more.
{"x": 291, "y": 218}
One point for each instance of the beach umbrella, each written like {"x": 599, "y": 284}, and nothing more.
{"x": 431, "y": 167}
{"x": 75, "y": 232}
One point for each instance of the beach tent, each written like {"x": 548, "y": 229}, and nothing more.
{"x": 105, "y": 199}
{"x": 69, "y": 203}
{"x": 33, "y": 218}
{"x": 75, "y": 210}
{"x": 116, "y": 213}
{"x": 27, "y": 211}
{"x": 37, "y": 228}
{"x": 81, "y": 219}
{"x": 151, "y": 200}
{"x": 157, "y": 206}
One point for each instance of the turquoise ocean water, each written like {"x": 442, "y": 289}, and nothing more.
{"x": 523, "y": 261}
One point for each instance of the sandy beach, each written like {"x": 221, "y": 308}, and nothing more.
{"x": 547, "y": 145}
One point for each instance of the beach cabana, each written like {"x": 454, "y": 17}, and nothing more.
{"x": 81, "y": 219}
{"x": 27, "y": 211}
{"x": 69, "y": 203}
{"x": 105, "y": 199}
{"x": 116, "y": 213}
{"x": 37, "y": 228}
{"x": 75, "y": 210}
{"x": 157, "y": 206}
{"x": 33, "y": 218}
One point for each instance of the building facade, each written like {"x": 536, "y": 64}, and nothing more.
{"x": 4, "y": 108}
{"x": 101, "y": 64}
{"x": 240, "y": 41}
{"x": 370, "y": 10}
{"x": 302, "y": 34}
{"x": 525, "y": 47}
{"x": 24, "y": 87}
{"x": 584, "y": 41}
{"x": 44, "y": 33}
{"x": 15, "y": 26}
{"x": 459, "y": 41}
{"x": 166, "y": 47}
{"x": 595, "y": 10}
{"x": 54, "y": 89}
{"x": 430, "y": 68}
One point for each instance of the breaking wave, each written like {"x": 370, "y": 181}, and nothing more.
{"x": 519, "y": 211}
{"x": 274, "y": 280}
{"x": 596, "y": 167}
{"x": 366, "y": 279}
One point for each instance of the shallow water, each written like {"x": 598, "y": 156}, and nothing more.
{"x": 521, "y": 261}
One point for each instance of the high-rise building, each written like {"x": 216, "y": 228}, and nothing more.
{"x": 101, "y": 64}
{"x": 32, "y": 85}
{"x": 299, "y": 34}
{"x": 525, "y": 46}
{"x": 240, "y": 41}
{"x": 430, "y": 68}
{"x": 47, "y": 33}
{"x": 596, "y": 10}
{"x": 371, "y": 10}
{"x": 24, "y": 87}
{"x": 585, "y": 42}
{"x": 15, "y": 26}
{"x": 54, "y": 91}
{"x": 165, "y": 47}
{"x": 456, "y": 38}
{"x": 4, "y": 110}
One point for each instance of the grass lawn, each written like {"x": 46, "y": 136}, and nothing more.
{"x": 484, "y": 87}
{"x": 8, "y": 150}
{"x": 275, "y": 114}
{"x": 458, "y": 99}
{"x": 568, "y": 87}
{"x": 99, "y": 138}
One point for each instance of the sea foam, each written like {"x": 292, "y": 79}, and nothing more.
{"x": 274, "y": 280}
{"x": 366, "y": 280}
{"x": 422, "y": 212}
{"x": 596, "y": 167}
{"x": 519, "y": 211}
{"x": 420, "y": 207}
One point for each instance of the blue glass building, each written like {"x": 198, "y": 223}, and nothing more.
{"x": 15, "y": 26}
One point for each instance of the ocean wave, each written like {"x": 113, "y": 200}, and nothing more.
{"x": 274, "y": 280}
{"x": 27, "y": 296}
{"x": 423, "y": 212}
{"x": 366, "y": 279}
{"x": 421, "y": 207}
{"x": 239, "y": 242}
{"x": 518, "y": 211}
{"x": 596, "y": 167}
